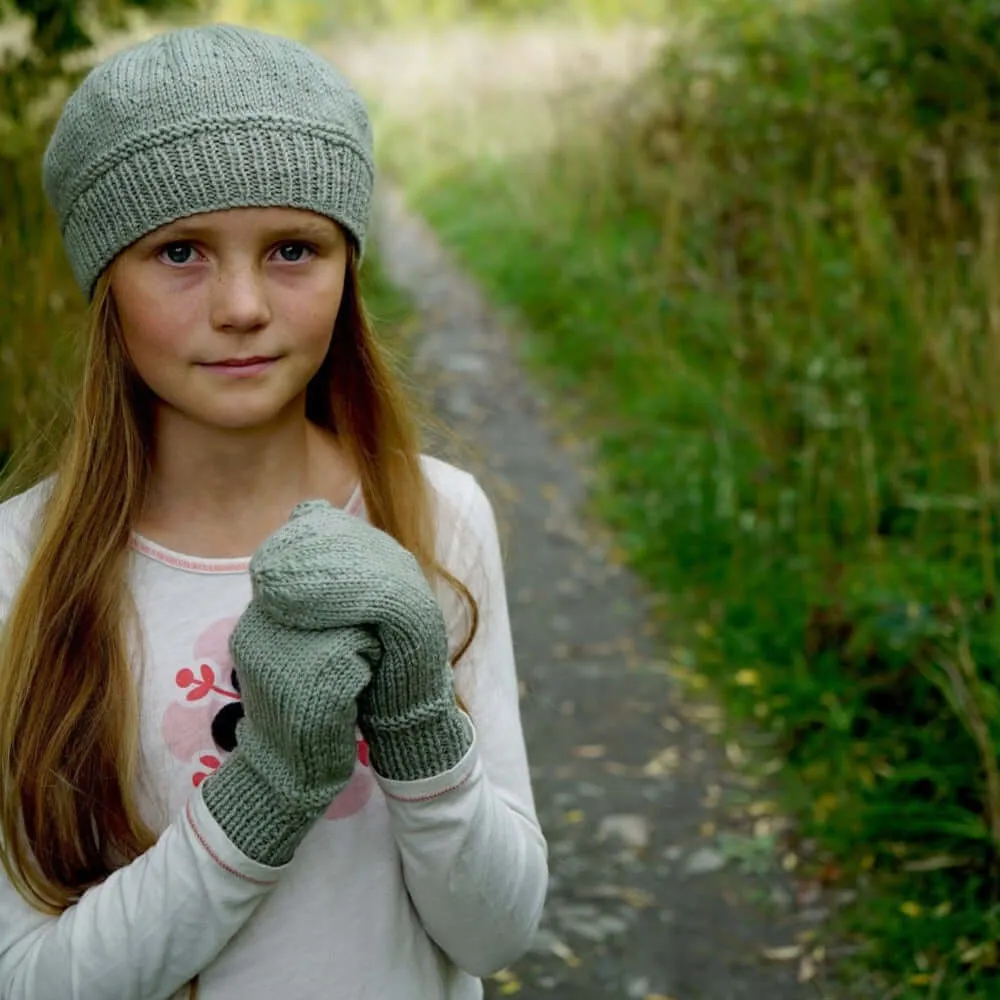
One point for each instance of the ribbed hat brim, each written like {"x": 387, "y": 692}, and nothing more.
{"x": 217, "y": 165}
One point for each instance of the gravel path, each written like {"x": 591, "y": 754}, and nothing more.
{"x": 646, "y": 901}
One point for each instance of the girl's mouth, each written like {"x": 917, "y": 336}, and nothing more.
{"x": 241, "y": 367}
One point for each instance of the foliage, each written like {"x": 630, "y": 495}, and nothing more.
{"x": 316, "y": 19}
{"x": 770, "y": 278}
{"x": 40, "y": 309}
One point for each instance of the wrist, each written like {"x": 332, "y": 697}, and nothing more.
{"x": 261, "y": 822}
{"x": 418, "y": 746}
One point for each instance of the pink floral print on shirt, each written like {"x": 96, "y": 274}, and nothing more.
{"x": 199, "y": 725}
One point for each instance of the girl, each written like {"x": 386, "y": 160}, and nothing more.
{"x": 247, "y": 777}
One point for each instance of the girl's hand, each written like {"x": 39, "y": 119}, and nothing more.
{"x": 328, "y": 569}
{"x": 296, "y": 743}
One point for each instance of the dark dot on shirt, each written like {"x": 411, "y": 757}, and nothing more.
{"x": 224, "y": 726}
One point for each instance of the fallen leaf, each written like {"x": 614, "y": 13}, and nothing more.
{"x": 638, "y": 899}
{"x": 786, "y": 953}
{"x": 911, "y": 909}
{"x": 563, "y": 951}
{"x": 590, "y": 751}
{"x": 747, "y": 678}
{"x": 614, "y": 767}
{"x": 575, "y": 816}
{"x": 667, "y": 760}
{"x": 807, "y": 969}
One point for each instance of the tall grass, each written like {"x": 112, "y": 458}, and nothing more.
{"x": 771, "y": 276}
{"x": 40, "y": 307}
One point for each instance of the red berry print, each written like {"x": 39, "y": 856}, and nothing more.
{"x": 203, "y": 687}
{"x": 206, "y": 760}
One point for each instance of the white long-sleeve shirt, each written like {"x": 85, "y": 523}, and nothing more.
{"x": 402, "y": 891}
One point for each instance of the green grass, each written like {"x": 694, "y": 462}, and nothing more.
{"x": 791, "y": 371}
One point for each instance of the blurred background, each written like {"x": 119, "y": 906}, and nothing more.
{"x": 757, "y": 247}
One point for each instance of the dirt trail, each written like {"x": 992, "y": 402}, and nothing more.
{"x": 643, "y": 904}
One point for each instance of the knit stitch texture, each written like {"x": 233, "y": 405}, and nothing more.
{"x": 198, "y": 120}
{"x": 296, "y": 744}
{"x": 328, "y": 570}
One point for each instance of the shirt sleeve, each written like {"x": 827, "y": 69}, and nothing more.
{"x": 474, "y": 857}
{"x": 145, "y": 931}
{"x": 151, "y": 926}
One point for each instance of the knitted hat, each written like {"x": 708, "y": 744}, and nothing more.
{"x": 202, "y": 119}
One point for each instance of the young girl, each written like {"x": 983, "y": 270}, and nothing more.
{"x": 297, "y": 775}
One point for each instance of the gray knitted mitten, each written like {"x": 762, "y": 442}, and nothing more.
{"x": 296, "y": 744}
{"x": 346, "y": 574}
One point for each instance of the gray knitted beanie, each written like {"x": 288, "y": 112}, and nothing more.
{"x": 202, "y": 119}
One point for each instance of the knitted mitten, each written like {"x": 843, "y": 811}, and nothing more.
{"x": 346, "y": 574}
{"x": 296, "y": 744}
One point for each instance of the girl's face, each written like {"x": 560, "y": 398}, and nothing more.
{"x": 228, "y": 315}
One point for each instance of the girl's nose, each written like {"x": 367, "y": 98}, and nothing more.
{"x": 239, "y": 299}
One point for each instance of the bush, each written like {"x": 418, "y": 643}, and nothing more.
{"x": 832, "y": 178}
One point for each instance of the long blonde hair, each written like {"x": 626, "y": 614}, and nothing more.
{"x": 69, "y": 712}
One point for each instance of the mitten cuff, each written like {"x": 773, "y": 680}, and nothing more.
{"x": 259, "y": 821}
{"x": 417, "y": 745}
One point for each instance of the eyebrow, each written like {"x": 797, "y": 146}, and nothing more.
{"x": 307, "y": 229}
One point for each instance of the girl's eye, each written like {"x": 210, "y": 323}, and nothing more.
{"x": 292, "y": 253}
{"x": 177, "y": 253}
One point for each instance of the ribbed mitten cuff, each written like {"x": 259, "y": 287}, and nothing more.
{"x": 415, "y": 745}
{"x": 264, "y": 825}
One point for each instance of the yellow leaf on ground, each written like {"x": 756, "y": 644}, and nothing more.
{"x": 566, "y": 953}
{"x": 911, "y": 909}
{"x": 807, "y": 969}
{"x": 575, "y": 816}
{"x": 747, "y": 678}
{"x": 664, "y": 762}
{"x": 788, "y": 953}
